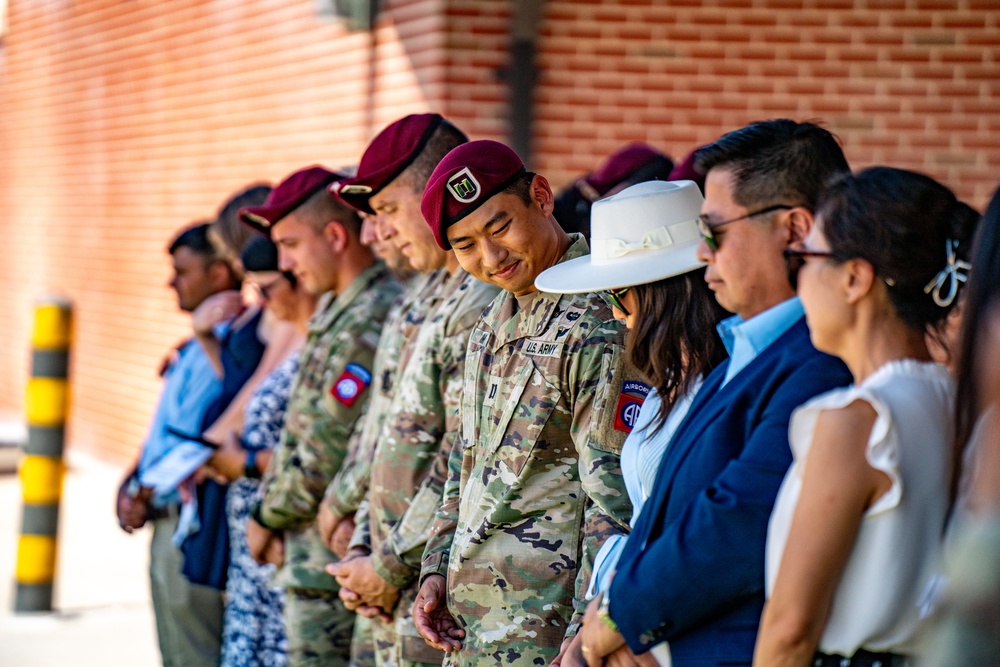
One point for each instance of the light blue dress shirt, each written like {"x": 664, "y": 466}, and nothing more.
{"x": 190, "y": 386}
{"x": 641, "y": 456}
{"x": 745, "y": 339}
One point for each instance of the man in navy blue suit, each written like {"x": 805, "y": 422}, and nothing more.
{"x": 690, "y": 582}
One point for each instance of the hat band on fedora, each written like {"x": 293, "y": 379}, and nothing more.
{"x": 604, "y": 251}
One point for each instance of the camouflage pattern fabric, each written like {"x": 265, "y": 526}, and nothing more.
{"x": 536, "y": 485}
{"x": 398, "y": 643}
{"x": 362, "y": 643}
{"x": 350, "y": 485}
{"x": 329, "y": 392}
{"x": 346, "y": 492}
{"x": 424, "y": 419}
{"x": 319, "y": 629}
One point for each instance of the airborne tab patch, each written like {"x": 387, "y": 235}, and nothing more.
{"x": 351, "y": 383}
{"x": 629, "y": 403}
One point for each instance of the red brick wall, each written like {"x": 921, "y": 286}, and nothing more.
{"x": 121, "y": 121}
{"x": 911, "y": 83}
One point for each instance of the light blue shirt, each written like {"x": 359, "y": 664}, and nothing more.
{"x": 641, "y": 456}
{"x": 745, "y": 339}
{"x": 190, "y": 386}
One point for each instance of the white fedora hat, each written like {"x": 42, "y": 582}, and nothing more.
{"x": 644, "y": 233}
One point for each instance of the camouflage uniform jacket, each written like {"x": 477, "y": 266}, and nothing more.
{"x": 349, "y": 486}
{"x": 425, "y": 420}
{"x": 335, "y": 362}
{"x": 538, "y": 488}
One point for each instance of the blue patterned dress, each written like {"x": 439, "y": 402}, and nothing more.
{"x": 253, "y": 631}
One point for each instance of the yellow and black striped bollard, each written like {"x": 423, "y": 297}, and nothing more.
{"x": 42, "y": 466}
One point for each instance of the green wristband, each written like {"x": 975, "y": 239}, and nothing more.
{"x": 604, "y": 613}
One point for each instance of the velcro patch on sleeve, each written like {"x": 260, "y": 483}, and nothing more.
{"x": 351, "y": 384}
{"x": 629, "y": 403}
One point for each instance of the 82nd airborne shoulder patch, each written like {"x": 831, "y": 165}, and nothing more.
{"x": 629, "y": 403}
{"x": 351, "y": 383}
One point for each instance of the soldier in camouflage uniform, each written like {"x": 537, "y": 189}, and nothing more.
{"x": 336, "y": 512}
{"x": 391, "y": 534}
{"x": 347, "y": 490}
{"x": 535, "y": 484}
{"x": 318, "y": 241}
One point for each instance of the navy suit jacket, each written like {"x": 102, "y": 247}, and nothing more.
{"x": 692, "y": 572}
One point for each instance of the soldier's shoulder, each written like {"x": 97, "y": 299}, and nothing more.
{"x": 586, "y": 315}
{"x": 374, "y": 303}
{"x": 492, "y": 313}
{"x": 385, "y": 288}
{"x": 466, "y": 306}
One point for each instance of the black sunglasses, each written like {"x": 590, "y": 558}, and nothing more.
{"x": 707, "y": 227}
{"x": 265, "y": 290}
{"x": 615, "y": 296}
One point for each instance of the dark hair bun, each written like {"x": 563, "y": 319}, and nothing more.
{"x": 911, "y": 228}
{"x": 260, "y": 254}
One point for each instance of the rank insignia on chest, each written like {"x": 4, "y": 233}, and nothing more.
{"x": 629, "y": 403}
{"x": 348, "y": 387}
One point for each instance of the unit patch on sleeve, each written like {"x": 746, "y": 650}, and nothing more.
{"x": 348, "y": 387}
{"x": 629, "y": 403}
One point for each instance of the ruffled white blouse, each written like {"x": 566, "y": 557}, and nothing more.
{"x": 896, "y": 555}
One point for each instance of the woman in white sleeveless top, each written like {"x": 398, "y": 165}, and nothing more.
{"x": 855, "y": 534}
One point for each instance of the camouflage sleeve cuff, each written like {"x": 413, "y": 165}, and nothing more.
{"x": 335, "y": 504}
{"x": 362, "y": 536}
{"x": 256, "y": 514}
{"x": 436, "y": 563}
{"x": 576, "y": 621}
{"x": 389, "y": 566}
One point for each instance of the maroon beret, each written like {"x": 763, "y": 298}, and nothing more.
{"x": 387, "y": 156}
{"x": 685, "y": 170}
{"x": 465, "y": 179}
{"x": 288, "y": 196}
{"x": 618, "y": 167}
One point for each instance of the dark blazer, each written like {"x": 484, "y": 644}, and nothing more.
{"x": 692, "y": 572}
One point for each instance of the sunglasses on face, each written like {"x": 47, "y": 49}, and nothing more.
{"x": 615, "y": 296}
{"x": 707, "y": 227}
{"x": 265, "y": 291}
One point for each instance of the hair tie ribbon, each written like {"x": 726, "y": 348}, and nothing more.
{"x": 952, "y": 273}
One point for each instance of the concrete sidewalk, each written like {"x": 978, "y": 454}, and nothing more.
{"x": 103, "y": 614}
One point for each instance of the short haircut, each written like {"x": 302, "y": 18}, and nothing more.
{"x": 228, "y": 228}
{"x": 444, "y": 138}
{"x": 322, "y": 208}
{"x": 521, "y": 187}
{"x": 776, "y": 162}
{"x": 195, "y": 238}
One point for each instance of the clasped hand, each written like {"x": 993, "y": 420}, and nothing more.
{"x": 433, "y": 620}
{"x": 362, "y": 589}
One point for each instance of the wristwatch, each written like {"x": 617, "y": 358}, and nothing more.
{"x": 604, "y": 612}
